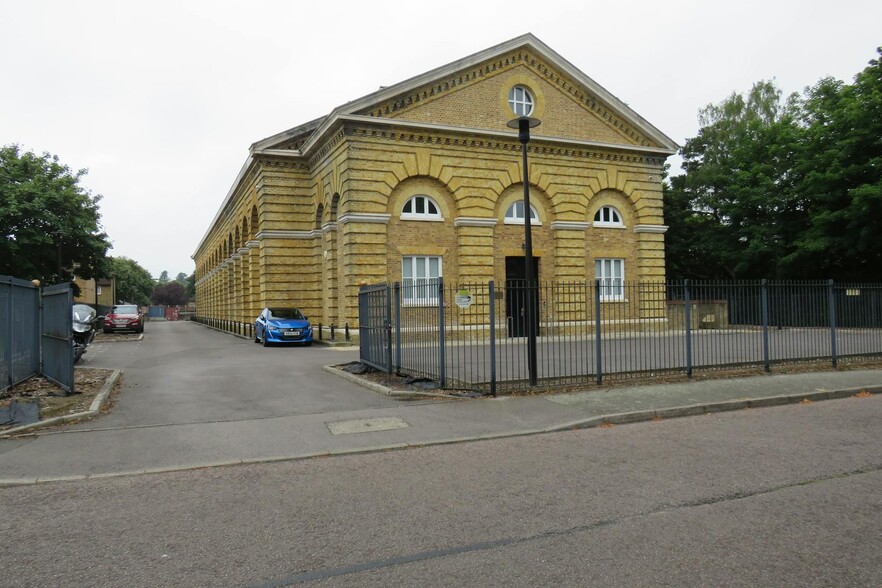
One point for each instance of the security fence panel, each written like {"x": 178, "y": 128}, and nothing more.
{"x": 475, "y": 336}
{"x": 56, "y": 336}
{"x": 19, "y": 331}
{"x": 419, "y": 328}
{"x": 801, "y": 321}
{"x": 374, "y": 312}
{"x": 858, "y": 319}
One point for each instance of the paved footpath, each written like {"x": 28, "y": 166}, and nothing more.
{"x": 106, "y": 447}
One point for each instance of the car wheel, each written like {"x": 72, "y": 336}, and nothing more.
{"x": 107, "y": 331}
{"x": 308, "y": 343}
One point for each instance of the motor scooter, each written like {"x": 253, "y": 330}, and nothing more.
{"x": 85, "y": 320}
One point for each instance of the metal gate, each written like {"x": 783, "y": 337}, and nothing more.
{"x": 375, "y": 328}
{"x": 19, "y": 331}
{"x": 56, "y": 336}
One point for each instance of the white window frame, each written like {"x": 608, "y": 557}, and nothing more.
{"x": 521, "y": 101}
{"x": 512, "y": 212}
{"x": 98, "y": 290}
{"x": 416, "y": 289}
{"x": 609, "y": 212}
{"x": 423, "y": 216}
{"x": 611, "y": 273}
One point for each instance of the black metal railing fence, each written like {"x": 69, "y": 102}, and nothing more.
{"x": 475, "y": 336}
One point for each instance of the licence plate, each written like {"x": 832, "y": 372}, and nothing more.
{"x": 292, "y": 333}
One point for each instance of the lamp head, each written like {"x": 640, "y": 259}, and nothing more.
{"x": 523, "y": 124}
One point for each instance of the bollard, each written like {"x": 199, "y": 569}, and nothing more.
{"x": 321, "y": 335}
{"x": 332, "y": 331}
{"x": 346, "y": 336}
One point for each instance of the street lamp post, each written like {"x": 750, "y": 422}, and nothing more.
{"x": 523, "y": 124}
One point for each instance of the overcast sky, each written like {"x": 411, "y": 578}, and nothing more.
{"x": 160, "y": 100}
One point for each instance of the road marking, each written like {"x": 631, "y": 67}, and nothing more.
{"x": 366, "y": 425}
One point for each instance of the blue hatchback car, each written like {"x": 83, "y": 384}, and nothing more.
{"x": 282, "y": 325}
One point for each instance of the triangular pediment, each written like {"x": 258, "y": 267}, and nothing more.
{"x": 472, "y": 93}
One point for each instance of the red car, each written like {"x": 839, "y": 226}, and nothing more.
{"x": 124, "y": 317}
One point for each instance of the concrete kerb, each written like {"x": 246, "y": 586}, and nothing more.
{"x": 94, "y": 410}
{"x": 386, "y": 390}
{"x": 698, "y": 409}
{"x": 140, "y": 337}
{"x": 595, "y": 421}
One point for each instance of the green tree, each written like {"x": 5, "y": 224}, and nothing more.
{"x": 49, "y": 223}
{"x": 734, "y": 212}
{"x": 181, "y": 278}
{"x": 841, "y": 177}
{"x": 133, "y": 283}
{"x": 170, "y": 294}
{"x": 783, "y": 189}
{"x": 163, "y": 277}
{"x": 191, "y": 286}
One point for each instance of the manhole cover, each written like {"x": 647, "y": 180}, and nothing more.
{"x": 366, "y": 425}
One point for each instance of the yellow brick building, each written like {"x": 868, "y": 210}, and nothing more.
{"x": 423, "y": 179}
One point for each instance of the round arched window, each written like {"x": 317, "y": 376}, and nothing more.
{"x": 608, "y": 216}
{"x": 420, "y": 207}
{"x": 514, "y": 215}
{"x": 521, "y": 101}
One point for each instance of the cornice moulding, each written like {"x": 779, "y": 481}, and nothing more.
{"x": 286, "y": 153}
{"x": 570, "y": 225}
{"x": 492, "y": 133}
{"x": 252, "y": 244}
{"x": 285, "y": 235}
{"x": 660, "y": 229}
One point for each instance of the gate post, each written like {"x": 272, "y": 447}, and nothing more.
{"x": 687, "y": 306}
{"x": 442, "y": 355}
{"x": 492, "y": 340}
{"x": 397, "y": 293}
{"x": 598, "y": 353}
{"x": 765, "y": 300}
{"x": 388, "y": 329}
{"x": 831, "y": 296}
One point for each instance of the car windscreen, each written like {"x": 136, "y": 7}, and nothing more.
{"x": 124, "y": 309}
{"x": 285, "y": 313}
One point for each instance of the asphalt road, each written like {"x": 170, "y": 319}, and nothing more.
{"x": 182, "y": 372}
{"x": 780, "y": 496}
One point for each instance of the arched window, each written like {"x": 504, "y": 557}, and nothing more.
{"x": 515, "y": 214}
{"x": 421, "y": 207}
{"x": 521, "y": 101}
{"x": 608, "y": 216}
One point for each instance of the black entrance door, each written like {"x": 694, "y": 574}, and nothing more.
{"x": 516, "y": 293}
